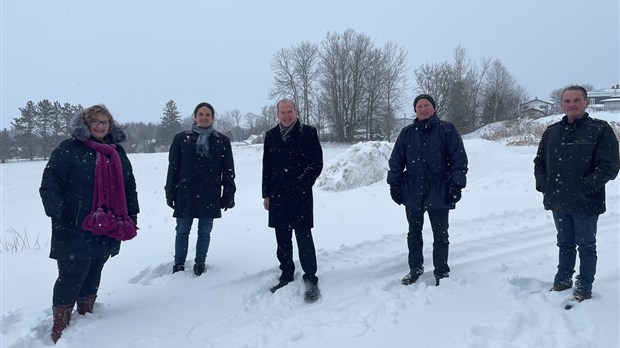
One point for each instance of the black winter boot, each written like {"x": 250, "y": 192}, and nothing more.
{"x": 410, "y": 278}
{"x": 312, "y": 292}
{"x": 281, "y": 284}
{"x": 199, "y": 269}
{"x": 178, "y": 268}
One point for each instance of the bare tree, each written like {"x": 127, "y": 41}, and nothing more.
{"x": 345, "y": 59}
{"x": 231, "y": 123}
{"x": 502, "y": 95}
{"x": 296, "y": 74}
{"x": 305, "y": 58}
{"x": 462, "y": 105}
{"x": 436, "y": 80}
{"x": 374, "y": 93}
{"x": 395, "y": 67}
{"x": 284, "y": 84}
{"x": 269, "y": 114}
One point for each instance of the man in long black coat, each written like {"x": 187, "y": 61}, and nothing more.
{"x": 292, "y": 161}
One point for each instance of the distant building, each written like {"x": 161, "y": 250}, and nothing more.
{"x": 536, "y": 108}
{"x": 254, "y": 139}
{"x": 400, "y": 123}
{"x": 611, "y": 104}
{"x": 607, "y": 99}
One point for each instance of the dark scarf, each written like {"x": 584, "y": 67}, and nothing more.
{"x": 285, "y": 131}
{"x": 109, "y": 210}
{"x": 202, "y": 143}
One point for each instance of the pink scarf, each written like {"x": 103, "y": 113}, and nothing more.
{"x": 109, "y": 210}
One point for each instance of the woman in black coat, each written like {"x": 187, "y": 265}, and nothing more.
{"x": 200, "y": 182}
{"x": 427, "y": 172}
{"x": 68, "y": 191}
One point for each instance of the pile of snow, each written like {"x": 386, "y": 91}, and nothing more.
{"x": 529, "y": 131}
{"x": 362, "y": 165}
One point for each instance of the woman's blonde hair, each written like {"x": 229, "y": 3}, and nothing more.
{"x": 90, "y": 112}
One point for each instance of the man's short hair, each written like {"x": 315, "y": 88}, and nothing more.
{"x": 576, "y": 88}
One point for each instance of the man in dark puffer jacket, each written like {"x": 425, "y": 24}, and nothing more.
{"x": 428, "y": 168}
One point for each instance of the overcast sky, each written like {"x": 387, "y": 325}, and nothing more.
{"x": 134, "y": 56}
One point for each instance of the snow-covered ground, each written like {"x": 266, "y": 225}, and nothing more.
{"x": 503, "y": 258}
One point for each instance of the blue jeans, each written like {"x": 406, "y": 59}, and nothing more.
{"x": 184, "y": 225}
{"x": 576, "y": 232}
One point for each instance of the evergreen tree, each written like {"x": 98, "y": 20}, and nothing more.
{"x": 25, "y": 128}
{"x": 47, "y": 125}
{"x": 170, "y": 124}
{"x": 7, "y": 148}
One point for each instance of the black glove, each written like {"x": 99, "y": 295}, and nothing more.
{"x": 134, "y": 218}
{"x": 397, "y": 195}
{"x": 227, "y": 202}
{"x": 170, "y": 202}
{"x": 453, "y": 195}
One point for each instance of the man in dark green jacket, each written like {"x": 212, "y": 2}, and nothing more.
{"x": 576, "y": 158}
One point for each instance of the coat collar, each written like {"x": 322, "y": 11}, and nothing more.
{"x": 577, "y": 123}
{"x": 428, "y": 124}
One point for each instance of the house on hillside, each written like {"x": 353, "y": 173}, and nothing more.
{"x": 611, "y": 104}
{"x": 254, "y": 139}
{"x": 607, "y": 99}
{"x": 536, "y": 108}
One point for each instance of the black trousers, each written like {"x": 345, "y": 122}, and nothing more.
{"x": 76, "y": 279}
{"x": 307, "y": 253}
{"x": 439, "y": 225}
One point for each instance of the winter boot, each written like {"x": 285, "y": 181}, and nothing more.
{"x": 312, "y": 292}
{"x": 410, "y": 278}
{"x": 561, "y": 286}
{"x": 178, "y": 268}
{"x": 61, "y": 316}
{"x": 85, "y": 304}
{"x": 199, "y": 269}
{"x": 281, "y": 284}
{"x": 438, "y": 277}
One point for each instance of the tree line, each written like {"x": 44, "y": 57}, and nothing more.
{"x": 346, "y": 86}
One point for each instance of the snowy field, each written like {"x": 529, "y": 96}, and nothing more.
{"x": 503, "y": 259}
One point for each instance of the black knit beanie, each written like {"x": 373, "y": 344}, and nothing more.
{"x": 424, "y": 96}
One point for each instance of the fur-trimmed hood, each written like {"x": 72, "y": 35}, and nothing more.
{"x": 79, "y": 130}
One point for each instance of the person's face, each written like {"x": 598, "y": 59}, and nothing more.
{"x": 203, "y": 117}
{"x": 424, "y": 109}
{"x": 574, "y": 104}
{"x": 287, "y": 114}
{"x": 99, "y": 126}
